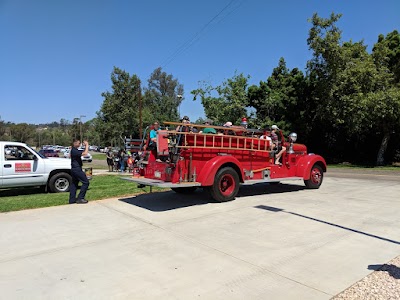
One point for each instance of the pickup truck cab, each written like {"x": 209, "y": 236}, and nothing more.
{"x": 21, "y": 166}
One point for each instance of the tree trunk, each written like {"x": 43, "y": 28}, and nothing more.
{"x": 380, "y": 159}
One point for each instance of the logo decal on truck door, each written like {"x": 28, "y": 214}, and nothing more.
{"x": 22, "y": 167}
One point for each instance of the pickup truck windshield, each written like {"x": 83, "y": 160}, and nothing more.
{"x": 34, "y": 151}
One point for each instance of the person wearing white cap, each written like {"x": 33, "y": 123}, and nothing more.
{"x": 228, "y": 124}
{"x": 267, "y": 137}
{"x": 275, "y": 140}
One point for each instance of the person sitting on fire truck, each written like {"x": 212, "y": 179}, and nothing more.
{"x": 182, "y": 128}
{"x": 208, "y": 130}
{"x": 277, "y": 144}
{"x": 153, "y": 136}
{"x": 228, "y": 131}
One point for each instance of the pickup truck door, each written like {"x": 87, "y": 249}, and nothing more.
{"x": 1, "y": 166}
{"x": 21, "y": 167}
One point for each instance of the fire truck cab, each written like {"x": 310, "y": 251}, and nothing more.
{"x": 184, "y": 160}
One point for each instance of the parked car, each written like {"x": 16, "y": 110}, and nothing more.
{"x": 88, "y": 157}
{"x": 63, "y": 149}
{"x": 66, "y": 153}
{"x": 48, "y": 153}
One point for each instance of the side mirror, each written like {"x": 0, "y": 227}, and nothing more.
{"x": 35, "y": 158}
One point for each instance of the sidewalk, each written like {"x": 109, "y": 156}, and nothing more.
{"x": 272, "y": 242}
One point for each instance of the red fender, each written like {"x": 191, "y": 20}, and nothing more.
{"x": 305, "y": 164}
{"x": 210, "y": 169}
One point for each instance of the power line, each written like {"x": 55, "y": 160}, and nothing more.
{"x": 189, "y": 42}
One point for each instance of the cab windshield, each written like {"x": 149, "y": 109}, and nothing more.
{"x": 37, "y": 153}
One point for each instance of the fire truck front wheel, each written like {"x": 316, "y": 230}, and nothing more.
{"x": 226, "y": 185}
{"x": 185, "y": 190}
{"x": 316, "y": 177}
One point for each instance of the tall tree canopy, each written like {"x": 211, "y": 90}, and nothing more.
{"x": 161, "y": 95}
{"x": 346, "y": 106}
{"x": 346, "y": 78}
{"x": 118, "y": 116}
{"x": 226, "y": 102}
{"x": 281, "y": 99}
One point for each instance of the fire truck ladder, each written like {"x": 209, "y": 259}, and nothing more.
{"x": 222, "y": 142}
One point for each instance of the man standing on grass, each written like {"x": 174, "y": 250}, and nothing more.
{"x": 77, "y": 174}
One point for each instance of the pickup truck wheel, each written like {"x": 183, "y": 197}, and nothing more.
{"x": 226, "y": 185}
{"x": 185, "y": 190}
{"x": 60, "y": 182}
{"x": 316, "y": 177}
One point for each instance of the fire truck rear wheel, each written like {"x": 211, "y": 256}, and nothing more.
{"x": 226, "y": 185}
{"x": 185, "y": 190}
{"x": 316, "y": 177}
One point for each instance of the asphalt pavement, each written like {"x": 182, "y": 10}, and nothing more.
{"x": 272, "y": 242}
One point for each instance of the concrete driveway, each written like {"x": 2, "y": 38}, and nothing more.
{"x": 272, "y": 242}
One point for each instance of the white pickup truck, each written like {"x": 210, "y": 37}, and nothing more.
{"x": 21, "y": 166}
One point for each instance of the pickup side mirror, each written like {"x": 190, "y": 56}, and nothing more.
{"x": 35, "y": 158}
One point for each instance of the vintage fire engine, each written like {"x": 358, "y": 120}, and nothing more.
{"x": 219, "y": 163}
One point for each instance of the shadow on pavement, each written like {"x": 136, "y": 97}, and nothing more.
{"x": 169, "y": 200}
{"x": 163, "y": 201}
{"x": 265, "y": 189}
{"x": 392, "y": 270}
{"x": 281, "y": 210}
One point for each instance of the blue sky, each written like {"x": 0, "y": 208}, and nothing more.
{"x": 56, "y": 56}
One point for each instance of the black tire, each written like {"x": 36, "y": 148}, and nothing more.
{"x": 60, "y": 182}
{"x": 185, "y": 190}
{"x": 225, "y": 186}
{"x": 316, "y": 177}
{"x": 274, "y": 182}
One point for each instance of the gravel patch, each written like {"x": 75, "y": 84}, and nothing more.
{"x": 383, "y": 284}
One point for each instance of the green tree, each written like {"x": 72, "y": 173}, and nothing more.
{"x": 226, "y": 102}
{"x": 118, "y": 115}
{"x": 161, "y": 96}
{"x": 281, "y": 99}
{"x": 345, "y": 78}
{"x": 389, "y": 46}
{"x": 22, "y": 132}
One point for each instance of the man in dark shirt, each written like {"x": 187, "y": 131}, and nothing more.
{"x": 77, "y": 174}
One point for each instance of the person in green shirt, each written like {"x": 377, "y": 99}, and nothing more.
{"x": 207, "y": 129}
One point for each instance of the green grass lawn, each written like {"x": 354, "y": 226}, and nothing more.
{"x": 350, "y": 166}
{"x": 100, "y": 156}
{"x": 101, "y": 187}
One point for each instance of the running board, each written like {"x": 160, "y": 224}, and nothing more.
{"x": 255, "y": 181}
{"x": 160, "y": 183}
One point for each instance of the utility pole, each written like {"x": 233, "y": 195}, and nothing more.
{"x": 80, "y": 126}
{"x": 140, "y": 111}
{"x": 179, "y": 104}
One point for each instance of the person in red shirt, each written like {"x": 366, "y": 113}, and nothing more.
{"x": 130, "y": 163}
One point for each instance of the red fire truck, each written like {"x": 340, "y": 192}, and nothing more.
{"x": 219, "y": 163}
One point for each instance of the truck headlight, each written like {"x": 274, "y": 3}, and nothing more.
{"x": 293, "y": 137}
